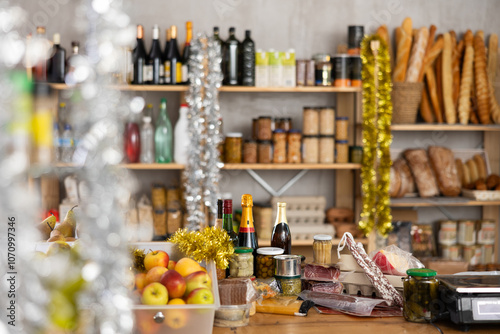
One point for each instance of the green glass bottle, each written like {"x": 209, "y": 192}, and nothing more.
{"x": 163, "y": 135}
{"x": 227, "y": 221}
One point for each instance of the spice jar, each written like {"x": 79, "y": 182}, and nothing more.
{"x": 265, "y": 131}
{"x": 466, "y": 232}
{"x": 420, "y": 290}
{"x": 323, "y": 73}
{"x": 241, "y": 262}
{"x": 300, "y": 74}
{"x": 322, "y": 249}
{"x": 250, "y": 152}
{"x": 326, "y": 149}
{"x": 287, "y": 273}
{"x": 310, "y": 73}
{"x": 342, "y": 151}
{"x": 284, "y": 124}
{"x": 264, "y": 152}
{"x": 326, "y": 121}
{"x": 341, "y": 126}
{"x": 310, "y": 126}
{"x": 310, "y": 149}
{"x": 279, "y": 146}
{"x": 265, "y": 261}
{"x": 356, "y": 154}
{"x": 255, "y": 128}
{"x": 294, "y": 145}
{"x": 232, "y": 148}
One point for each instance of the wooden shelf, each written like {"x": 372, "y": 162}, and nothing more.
{"x": 154, "y": 166}
{"x": 444, "y": 127}
{"x": 233, "y": 89}
{"x": 439, "y": 201}
{"x": 291, "y": 166}
{"x": 309, "y": 242}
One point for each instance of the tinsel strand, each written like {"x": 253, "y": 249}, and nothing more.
{"x": 377, "y": 138}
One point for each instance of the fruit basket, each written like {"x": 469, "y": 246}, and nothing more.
{"x": 182, "y": 319}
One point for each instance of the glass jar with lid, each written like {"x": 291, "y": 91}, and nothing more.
{"x": 322, "y": 249}
{"x": 420, "y": 292}
{"x": 265, "y": 261}
{"x": 232, "y": 147}
{"x": 241, "y": 262}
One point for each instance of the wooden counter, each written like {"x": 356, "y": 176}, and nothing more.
{"x": 314, "y": 322}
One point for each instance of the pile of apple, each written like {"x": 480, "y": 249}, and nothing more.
{"x": 170, "y": 282}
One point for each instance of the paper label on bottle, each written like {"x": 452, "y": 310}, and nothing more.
{"x": 178, "y": 72}
{"x": 247, "y": 229}
{"x": 185, "y": 73}
{"x": 148, "y": 73}
{"x": 162, "y": 74}
{"x": 167, "y": 72}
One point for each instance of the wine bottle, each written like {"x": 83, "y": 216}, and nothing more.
{"x": 217, "y": 37}
{"x": 231, "y": 55}
{"x": 155, "y": 59}
{"x": 227, "y": 221}
{"x": 187, "y": 52}
{"x": 166, "y": 62}
{"x": 163, "y": 135}
{"x": 174, "y": 58}
{"x": 248, "y": 61}
{"x": 281, "y": 236}
{"x": 218, "y": 220}
{"x": 246, "y": 234}
{"x": 57, "y": 62}
{"x": 140, "y": 58}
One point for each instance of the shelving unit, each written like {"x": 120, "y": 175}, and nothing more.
{"x": 438, "y": 201}
{"x": 444, "y": 127}
{"x": 309, "y": 242}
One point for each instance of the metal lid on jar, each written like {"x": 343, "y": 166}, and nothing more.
{"x": 421, "y": 272}
{"x": 341, "y": 141}
{"x": 287, "y": 265}
{"x": 279, "y": 131}
{"x": 234, "y": 135}
{"x": 294, "y": 131}
{"x": 270, "y": 251}
{"x": 341, "y": 118}
{"x": 322, "y": 237}
{"x": 264, "y": 117}
{"x": 240, "y": 250}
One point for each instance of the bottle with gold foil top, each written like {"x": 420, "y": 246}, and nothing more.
{"x": 246, "y": 234}
{"x": 281, "y": 236}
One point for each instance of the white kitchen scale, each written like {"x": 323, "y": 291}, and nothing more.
{"x": 470, "y": 299}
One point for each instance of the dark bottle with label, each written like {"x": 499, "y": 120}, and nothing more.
{"x": 247, "y": 61}
{"x": 187, "y": 52}
{"x": 166, "y": 63}
{"x": 155, "y": 59}
{"x": 140, "y": 57}
{"x": 246, "y": 234}
{"x": 281, "y": 236}
{"x": 217, "y": 37}
{"x": 227, "y": 221}
{"x": 173, "y": 63}
{"x": 231, "y": 59}
{"x": 57, "y": 62}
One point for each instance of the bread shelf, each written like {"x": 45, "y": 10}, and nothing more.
{"x": 439, "y": 201}
{"x": 444, "y": 127}
{"x": 309, "y": 242}
{"x": 233, "y": 89}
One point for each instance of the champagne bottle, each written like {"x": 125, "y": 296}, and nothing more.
{"x": 187, "y": 52}
{"x": 140, "y": 57}
{"x": 281, "y": 236}
{"x": 248, "y": 61}
{"x": 166, "y": 62}
{"x": 246, "y": 234}
{"x": 227, "y": 221}
{"x": 218, "y": 220}
{"x": 155, "y": 59}
{"x": 231, "y": 55}
{"x": 57, "y": 62}
{"x": 173, "y": 61}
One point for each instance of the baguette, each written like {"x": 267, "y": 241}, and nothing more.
{"x": 464, "y": 105}
{"x": 481, "y": 166}
{"x": 425, "y": 107}
{"x": 384, "y": 34}
{"x": 460, "y": 171}
{"x": 417, "y": 55}
{"x": 473, "y": 116}
{"x": 449, "y": 106}
{"x": 439, "y": 82}
{"x": 494, "y": 107}
{"x": 481, "y": 80}
{"x": 433, "y": 94}
{"x": 492, "y": 57}
{"x": 403, "y": 50}
{"x": 430, "y": 52}
{"x": 457, "y": 60}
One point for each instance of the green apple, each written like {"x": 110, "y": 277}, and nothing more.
{"x": 155, "y": 259}
{"x": 200, "y": 296}
{"x": 155, "y": 294}
{"x": 198, "y": 279}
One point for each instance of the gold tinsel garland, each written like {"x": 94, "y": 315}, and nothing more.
{"x": 209, "y": 244}
{"x": 377, "y": 138}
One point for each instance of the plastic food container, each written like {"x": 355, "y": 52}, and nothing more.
{"x": 232, "y": 315}
{"x": 420, "y": 290}
{"x": 265, "y": 261}
{"x": 184, "y": 319}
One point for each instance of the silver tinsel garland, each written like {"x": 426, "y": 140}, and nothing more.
{"x": 202, "y": 174}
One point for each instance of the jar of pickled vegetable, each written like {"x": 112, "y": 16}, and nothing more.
{"x": 265, "y": 261}
{"x": 289, "y": 286}
{"x": 241, "y": 263}
{"x": 232, "y": 148}
{"x": 420, "y": 290}
{"x": 322, "y": 249}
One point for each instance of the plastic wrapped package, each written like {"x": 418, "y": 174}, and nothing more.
{"x": 326, "y": 273}
{"x": 326, "y": 287}
{"x": 268, "y": 288}
{"x": 392, "y": 260}
{"x": 237, "y": 291}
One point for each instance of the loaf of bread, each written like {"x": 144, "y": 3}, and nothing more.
{"x": 439, "y": 82}
{"x": 466, "y": 180}
{"x": 481, "y": 166}
{"x": 492, "y": 181}
{"x": 425, "y": 107}
{"x": 430, "y": 80}
{"x": 428, "y": 50}
{"x": 417, "y": 55}
{"x": 449, "y": 105}
{"x": 481, "y": 79}
{"x": 435, "y": 50}
{"x": 474, "y": 174}
{"x": 407, "y": 182}
{"x": 443, "y": 164}
{"x": 460, "y": 171}
{"x": 464, "y": 105}
{"x": 404, "y": 38}
{"x": 457, "y": 60}
{"x": 383, "y": 32}
{"x": 422, "y": 172}
{"x": 492, "y": 57}
{"x": 395, "y": 182}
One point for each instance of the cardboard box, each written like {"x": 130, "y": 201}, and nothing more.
{"x": 445, "y": 267}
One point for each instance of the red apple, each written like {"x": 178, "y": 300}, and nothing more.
{"x": 174, "y": 282}
{"x": 155, "y": 259}
{"x": 200, "y": 296}
{"x": 154, "y": 274}
{"x": 140, "y": 281}
{"x": 198, "y": 279}
{"x": 171, "y": 265}
{"x": 155, "y": 294}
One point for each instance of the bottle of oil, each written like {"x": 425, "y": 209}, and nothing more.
{"x": 281, "y": 236}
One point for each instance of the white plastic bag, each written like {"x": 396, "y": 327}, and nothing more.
{"x": 392, "y": 260}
